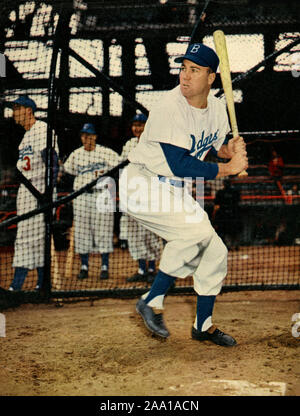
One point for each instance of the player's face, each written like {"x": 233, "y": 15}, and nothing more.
{"x": 137, "y": 128}
{"x": 195, "y": 80}
{"x": 20, "y": 114}
{"x": 88, "y": 141}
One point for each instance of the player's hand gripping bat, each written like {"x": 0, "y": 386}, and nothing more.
{"x": 221, "y": 49}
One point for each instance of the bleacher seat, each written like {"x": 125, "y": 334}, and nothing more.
{"x": 258, "y": 171}
{"x": 291, "y": 171}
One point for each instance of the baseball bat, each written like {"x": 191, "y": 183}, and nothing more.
{"x": 56, "y": 272}
{"x": 221, "y": 49}
{"x": 70, "y": 256}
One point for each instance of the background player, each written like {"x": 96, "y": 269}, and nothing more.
{"x": 226, "y": 215}
{"x": 186, "y": 124}
{"x": 93, "y": 229}
{"x": 30, "y": 239}
{"x": 144, "y": 246}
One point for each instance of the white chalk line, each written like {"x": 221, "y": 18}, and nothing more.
{"x": 116, "y": 314}
{"x": 239, "y": 387}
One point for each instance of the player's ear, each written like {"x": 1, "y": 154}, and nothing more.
{"x": 29, "y": 111}
{"x": 211, "y": 78}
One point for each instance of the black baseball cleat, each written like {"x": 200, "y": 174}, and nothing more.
{"x": 154, "y": 322}
{"x": 138, "y": 277}
{"x": 218, "y": 337}
{"x": 83, "y": 274}
{"x": 104, "y": 275}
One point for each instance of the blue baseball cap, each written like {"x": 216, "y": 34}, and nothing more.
{"x": 201, "y": 55}
{"x": 88, "y": 128}
{"x": 140, "y": 117}
{"x": 25, "y": 101}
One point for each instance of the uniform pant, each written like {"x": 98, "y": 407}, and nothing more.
{"x": 30, "y": 240}
{"x": 142, "y": 243}
{"x": 192, "y": 245}
{"x": 93, "y": 229}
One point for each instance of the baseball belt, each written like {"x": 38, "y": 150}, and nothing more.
{"x": 173, "y": 182}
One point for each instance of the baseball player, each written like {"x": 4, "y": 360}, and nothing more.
{"x": 93, "y": 229}
{"x": 187, "y": 123}
{"x": 144, "y": 246}
{"x": 29, "y": 243}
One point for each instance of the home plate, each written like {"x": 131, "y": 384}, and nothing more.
{"x": 233, "y": 388}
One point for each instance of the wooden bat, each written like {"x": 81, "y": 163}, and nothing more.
{"x": 221, "y": 49}
{"x": 70, "y": 256}
{"x": 56, "y": 272}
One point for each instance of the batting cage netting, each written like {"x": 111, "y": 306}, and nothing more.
{"x": 78, "y": 80}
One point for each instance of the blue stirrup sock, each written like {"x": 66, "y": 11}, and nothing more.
{"x": 205, "y": 305}
{"x": 142, "y": 266}
{"x": 84, "y": 261}
{"x": 19, "y": 278}
{"x": 105, "y": 261}
{"x": 40, "y": 272}
{"x": 151, "y": 265}
{"x": 159, "y": 288}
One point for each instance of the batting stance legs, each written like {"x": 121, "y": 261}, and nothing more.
{"x": 193, "y": 248}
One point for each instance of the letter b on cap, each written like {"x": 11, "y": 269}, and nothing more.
{"x": 195, "y": 48}
{"x": 2, "y": 66}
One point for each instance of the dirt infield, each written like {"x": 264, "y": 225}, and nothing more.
{"x": 103, "y": 349}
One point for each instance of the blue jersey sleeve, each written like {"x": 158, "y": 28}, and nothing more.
{"x": 182, "y": 164}
{"x": 213, "y": 152}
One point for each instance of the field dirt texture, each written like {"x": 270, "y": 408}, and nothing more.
{"x": 102, "y": 348}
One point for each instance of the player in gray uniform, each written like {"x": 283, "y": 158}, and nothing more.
{"x": 144, "y": 246}
{"x": 93, "y": 229}
{"x": 187, "y": 123}
{"x": 30, "y": 239}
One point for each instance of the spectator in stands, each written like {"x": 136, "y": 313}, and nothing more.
{"x": 263, "y": 232}
{"x": 276, "y": 165}
{"x": 293, "y": 213}
{"x": 282, "y": 237}
{"x": 294, "y": 190}
{"x": 226, "y": 215}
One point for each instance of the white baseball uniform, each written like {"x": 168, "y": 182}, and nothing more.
{"x": 93, "y": 229}
{"x": 30, "y": 239}
{"x": 193, "y": 247}
{"x": 142, "y": 243}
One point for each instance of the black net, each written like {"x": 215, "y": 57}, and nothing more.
{"x": 83, "y": 70}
